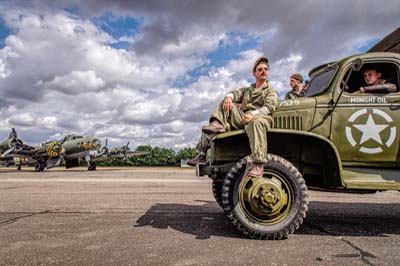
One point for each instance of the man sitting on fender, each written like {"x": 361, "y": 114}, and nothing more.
{"x": 250, "y": 108}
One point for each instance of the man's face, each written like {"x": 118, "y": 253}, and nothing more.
{"x": 372, "y": 76}
{"x": 262, "y": 71}
{"x": 294, "y": 82}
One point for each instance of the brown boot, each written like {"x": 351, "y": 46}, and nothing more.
{"x": 200, "y": 158}
{"x": 214, "y": 127}
{"x": 257, "y": 170}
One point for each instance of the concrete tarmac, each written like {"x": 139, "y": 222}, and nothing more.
{"x": 168, "y": 216}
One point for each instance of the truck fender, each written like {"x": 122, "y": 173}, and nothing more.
{"x": 315, "y": 156}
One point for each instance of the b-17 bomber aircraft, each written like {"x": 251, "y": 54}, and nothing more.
{"x": 71, "y": 150}
{"x": 13, "y": 151}
{"x": 121, "y": 152}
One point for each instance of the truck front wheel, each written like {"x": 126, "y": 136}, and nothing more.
{"x": 268, "y": 207}
{"x": 216, "y": 188}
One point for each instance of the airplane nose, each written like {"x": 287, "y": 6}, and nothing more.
{"x": 53, "y": 149}
{"x": 93, "y": 144}
{"x": 88, "y": 146}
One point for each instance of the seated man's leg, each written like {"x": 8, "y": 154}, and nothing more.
{"x": 256, "y": 130}
{"x": 220, "y": 119}
{"x": 202, "y": 146}
{"x": 217, "y": 123}
{"x": 235, "y": 118}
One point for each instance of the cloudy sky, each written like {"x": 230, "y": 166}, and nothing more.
{"x": 151, "y": 72}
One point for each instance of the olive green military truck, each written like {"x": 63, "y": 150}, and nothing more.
{"x": 336, "y": 139}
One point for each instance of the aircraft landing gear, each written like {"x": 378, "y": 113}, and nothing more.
{"x": 40, "y": 165}
{"x": 92, "y": 166}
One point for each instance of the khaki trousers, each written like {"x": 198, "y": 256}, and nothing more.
{"x": 256, "y": 131}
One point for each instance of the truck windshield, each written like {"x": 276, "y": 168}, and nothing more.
{"x": 320, "y": 82}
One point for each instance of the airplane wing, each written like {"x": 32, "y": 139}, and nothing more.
{"x": 6, "y": 158}
{"x": 21, "y": 152}
{"x": 136, "y": 153}
{"x": 121, "y": 152}
{"x": 120, "y": 155}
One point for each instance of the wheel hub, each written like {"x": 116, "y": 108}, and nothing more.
{"x": 265, "y": 199}
{"x": 268, "y": 198}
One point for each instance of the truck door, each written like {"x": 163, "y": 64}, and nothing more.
{"x": 366, "y": 126}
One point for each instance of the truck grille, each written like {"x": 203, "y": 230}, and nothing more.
{"x": 288, "y": 122}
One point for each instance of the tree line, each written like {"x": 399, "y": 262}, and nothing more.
{"x": 155, "y": 156}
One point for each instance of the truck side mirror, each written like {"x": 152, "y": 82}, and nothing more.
{"x": 357, "y": 64}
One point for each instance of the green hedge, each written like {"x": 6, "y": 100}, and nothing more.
{"x": 156, "y": 157}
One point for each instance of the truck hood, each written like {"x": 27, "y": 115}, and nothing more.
{"x": 296, "y": 104}
{"x": 295, "y": 114}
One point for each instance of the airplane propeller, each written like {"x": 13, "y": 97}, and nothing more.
{"x": 15, "y": 143}
{"x": 8, "y": 151}
{"x": 104, "y": 150}
{"x": 13, "y": 134}
{"x": 125, "y": 150}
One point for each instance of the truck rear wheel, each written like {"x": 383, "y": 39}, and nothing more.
{"x": 268, "y": 207}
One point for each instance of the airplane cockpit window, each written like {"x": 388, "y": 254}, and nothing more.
{"x": 72, "y": 137}
{"x": 389, "y": 79}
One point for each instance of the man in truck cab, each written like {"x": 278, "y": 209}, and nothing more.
{"x": 249, "y": 108}
{"x": 375, "y": 83}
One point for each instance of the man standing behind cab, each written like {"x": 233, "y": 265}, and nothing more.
{"x": 250, "y": 108}
{"x": 296, "y": 83}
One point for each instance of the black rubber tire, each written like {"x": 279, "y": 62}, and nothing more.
{"x": 217, "y": 191}
{"x": 39, "y": 167}
{"x": 42, "y": 166}
{"x": 92, "y": 166}
{"x": 295, "y": 213}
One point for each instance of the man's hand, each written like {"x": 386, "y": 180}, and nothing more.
{"x": 228, "y": 104}
{"x": 246, "y": 119}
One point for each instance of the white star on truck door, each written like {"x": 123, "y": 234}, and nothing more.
{"x": 370, "y": 130}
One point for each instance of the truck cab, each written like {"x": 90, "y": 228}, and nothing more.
{"x": 360, "y": 129}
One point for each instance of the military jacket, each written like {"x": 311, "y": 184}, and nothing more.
{"x": 252, "y": 99}
{"x": 294, "y": 94}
